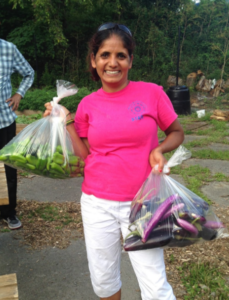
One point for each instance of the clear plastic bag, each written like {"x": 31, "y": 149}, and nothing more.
{"x": 164, "y": 213}
{"x": 45, "y": 146}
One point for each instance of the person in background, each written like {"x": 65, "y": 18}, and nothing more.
{"x": 11, "y": 61}
{"x": 118, "y": 125}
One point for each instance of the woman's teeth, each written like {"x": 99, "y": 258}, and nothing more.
{"x": 112, "y": 72}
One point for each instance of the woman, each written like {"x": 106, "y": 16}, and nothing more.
{"x": 118, "y": 126}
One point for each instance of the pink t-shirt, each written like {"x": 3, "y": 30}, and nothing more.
{"x": 121, "y": 128}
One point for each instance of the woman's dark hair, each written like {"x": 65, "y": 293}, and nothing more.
{"x": 99, "y": 37}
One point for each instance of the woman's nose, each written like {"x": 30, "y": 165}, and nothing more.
{"x": 113, "y": 61}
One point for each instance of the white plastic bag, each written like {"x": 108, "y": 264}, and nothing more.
{"x": 45, "y": 147}
{"x": 164, "y": 213}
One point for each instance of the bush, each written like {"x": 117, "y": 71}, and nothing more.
{"x": 71, "y": 103}
{"x": 35, "y": 99}
{"x": 216, "y": 74}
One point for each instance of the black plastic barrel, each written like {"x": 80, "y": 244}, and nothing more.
{"x": 180, "y": 97}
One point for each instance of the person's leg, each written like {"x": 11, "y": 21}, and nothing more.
{"x": 149, "y": 268}
{"x": 102, "y": 237}
{"x": 11, "y": 178}
{"x": 9, "y": 211}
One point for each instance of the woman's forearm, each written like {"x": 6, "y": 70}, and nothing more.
{"x": 174, "y": 138}
{"x": 79, "y": 146}
{"x": 172, "y": 141}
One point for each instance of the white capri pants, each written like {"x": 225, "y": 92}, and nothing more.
{"x": 103, "y": 221}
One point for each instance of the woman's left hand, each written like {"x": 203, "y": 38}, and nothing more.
{"x": 157, "y": 158}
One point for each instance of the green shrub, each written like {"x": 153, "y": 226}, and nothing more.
{"x": 215, "y": 74}
{"x": 36, "y": 98}
{"x": 28, "y": 119}
{"x": 71, "y": 103}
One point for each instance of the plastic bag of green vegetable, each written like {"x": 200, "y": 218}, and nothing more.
{"x": 45, "y": 147}
{"x": 164, "y": 213}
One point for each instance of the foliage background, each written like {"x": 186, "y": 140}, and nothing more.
{"x": 53, "y": 37}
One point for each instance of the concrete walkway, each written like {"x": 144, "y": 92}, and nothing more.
{"x": 63, "y": 274}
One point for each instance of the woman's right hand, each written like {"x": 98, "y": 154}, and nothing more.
{"x": 49, "y": 108}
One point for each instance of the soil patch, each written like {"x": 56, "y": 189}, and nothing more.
{"x": 213, "y": 252}
{"x": 48, "y": 224}
{"x": 195, "y": 125}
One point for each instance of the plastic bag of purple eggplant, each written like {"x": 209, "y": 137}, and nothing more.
{"x": 164, "y": 213}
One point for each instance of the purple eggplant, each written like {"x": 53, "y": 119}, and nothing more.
{"x": 163, "y": 235}
{"x": 182, "y": 238}
{"x": 136, "y": 207}
{"x": 149, "y": 202}
{"x": 178, "y": 231}
{"x": 134, "y": 210}
{"x": 172, "y": 210}
{"x": 180, "y": 242}
{"x": 156, "y": 218}
{"x": 165, "y": 226}
{"x": 192, "y": 217}
{"x": 196, "y": 217}
{"x": 184, "y": 215}
{"x": 157, "y": 239}
{"x": 200, "y": 203}
{"x": 187, "y": 226}
{"x": 207, "y": 234}
{"x": 213, "y": 225}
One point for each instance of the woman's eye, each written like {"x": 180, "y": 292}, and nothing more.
{"x": 104, "y": 55}
{"x": 121, "y": 55}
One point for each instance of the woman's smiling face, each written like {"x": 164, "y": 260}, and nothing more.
{"x": 112, "y": 62}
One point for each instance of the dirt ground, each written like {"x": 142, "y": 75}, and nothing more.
{"x": 212, "y": 252}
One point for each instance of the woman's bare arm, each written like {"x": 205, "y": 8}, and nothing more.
{"x": 81, "y": 146}
{"x": 174, "y": 138}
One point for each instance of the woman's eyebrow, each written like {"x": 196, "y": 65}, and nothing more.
{"x": 105, "y": 52}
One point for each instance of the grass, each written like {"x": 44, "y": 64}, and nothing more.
{"x": 5, "y": 230}
{"x": 171, "y": 259}
{"x": 50, "y": 213}
{"x": 23, "y": 173}
{"x": 203, "y": 142}
{"x": 203, "y": 280}
{"x": 210, "y": 154}
{"x": 215, "y": 130}
{"x": 194, "y": 177}
{"x": 221, "y": 177}
{"x": 22, "y": 119}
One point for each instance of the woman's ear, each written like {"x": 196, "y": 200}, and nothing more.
{"x": 131, "y": 61}
{"x": 92, "y": 56}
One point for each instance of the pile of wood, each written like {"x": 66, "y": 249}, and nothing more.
{"x": 220, "y": 115}
{"x": 8, "y": 287}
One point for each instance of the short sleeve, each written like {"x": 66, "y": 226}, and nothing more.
{"x": 165, "y": 111}
{"x": 81, "y": 121}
